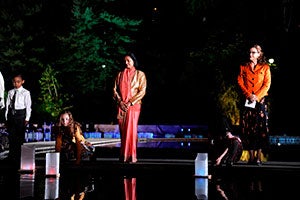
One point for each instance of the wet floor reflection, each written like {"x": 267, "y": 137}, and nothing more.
{"x": 26, "y": 185}
{"x": 201, "y": 188}
{"x": 133, "y": 187}
{"x": 51, "y": 188}
{"x": 130, "y": 188}
{"x": 254, "y": 186}
{"x": 76, "y": 186}
{"x": 87, "y": 186}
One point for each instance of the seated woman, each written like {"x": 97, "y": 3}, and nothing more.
{"x": 69, "y": 139}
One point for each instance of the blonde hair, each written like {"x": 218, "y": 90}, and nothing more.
{"x": 261, "y": 58}
{"x": 72, "y": 126}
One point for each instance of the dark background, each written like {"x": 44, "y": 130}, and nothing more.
{"x": 274, "y": 25}
{"x": 177, "y": 94}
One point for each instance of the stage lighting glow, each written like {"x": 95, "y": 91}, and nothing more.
{"x": 201, "y": 165}
{"x": 27, "y": 164}
{"x": 52, "y": 164}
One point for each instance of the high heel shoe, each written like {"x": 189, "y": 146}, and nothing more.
{"x": 259, "y": 163}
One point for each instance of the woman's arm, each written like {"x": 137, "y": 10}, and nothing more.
{"x": 78, "y": 138}
{"x": 219, "y": 159}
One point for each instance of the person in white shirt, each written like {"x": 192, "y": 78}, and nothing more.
{"x": 2, "y": 90}
{"x": 17, "y": 116}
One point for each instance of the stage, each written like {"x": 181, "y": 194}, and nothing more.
{"x": 163, "y": 154}
{"x": 163, "y": 171}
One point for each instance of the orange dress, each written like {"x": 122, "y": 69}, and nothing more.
{"x": 254, "y": 121}
{"x": 255, "y": 81}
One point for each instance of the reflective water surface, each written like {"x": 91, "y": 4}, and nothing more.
{"x": 85, "y": 185}
{"x": 160, "y": 173}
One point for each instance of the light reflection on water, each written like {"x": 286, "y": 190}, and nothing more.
{"x": 146, "y": 186}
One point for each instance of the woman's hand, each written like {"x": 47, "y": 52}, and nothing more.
{"x": 252, "y": 98}
{"x": 218, "y": 161}
{"x": 124, "y": 106}
{"x": 26, "y": 122}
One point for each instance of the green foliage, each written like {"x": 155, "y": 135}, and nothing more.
{"x": 52, "y": 101}
{"x": 16, "y": 39}
{"x": 222, "y": 57}
{"x": 218, "y": 55}
{"x": 227, "y": 99}
{"x": 86, "y": 55}
{"x": 92, "y": 49}
{"x": 197, "y": 6}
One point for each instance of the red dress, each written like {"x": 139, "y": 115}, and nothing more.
{"x": 130, "y": 86}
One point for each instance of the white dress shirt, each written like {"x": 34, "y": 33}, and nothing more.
{"x": 2, "y": 89}
{"x": 23, "y": 101}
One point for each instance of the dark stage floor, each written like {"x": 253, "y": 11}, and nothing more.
{"x": 160, "y": 173}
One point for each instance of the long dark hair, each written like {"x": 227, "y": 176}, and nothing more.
{"x": 133, "y": 57}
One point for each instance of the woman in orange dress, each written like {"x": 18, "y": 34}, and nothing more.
{"x": 128, "y": 91}
{"x": 254, "y": 80}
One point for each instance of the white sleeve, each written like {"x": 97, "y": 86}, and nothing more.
{"x": 2, "y": 88}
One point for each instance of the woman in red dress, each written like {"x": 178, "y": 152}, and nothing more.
{"x": 129, "y": 90}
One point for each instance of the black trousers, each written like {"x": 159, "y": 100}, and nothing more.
{"x": 16, "y": 134}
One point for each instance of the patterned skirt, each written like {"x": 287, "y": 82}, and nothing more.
{"x": 255, "y": 126}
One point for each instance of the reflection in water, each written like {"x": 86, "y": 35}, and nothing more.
{"x": 228, "y": 189}
{"x": 75, "y": 186}
{"x": 235, "y": 188}
{"x": 221, "y": 192}
{"x": 26, "y": 185}
{"x": 256, "y": 185}
{"x": 51, "y": 187}
{"x": 201, "y": 188}
{"x": 130, "y": 188}
{"x": 78, "y": 185}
